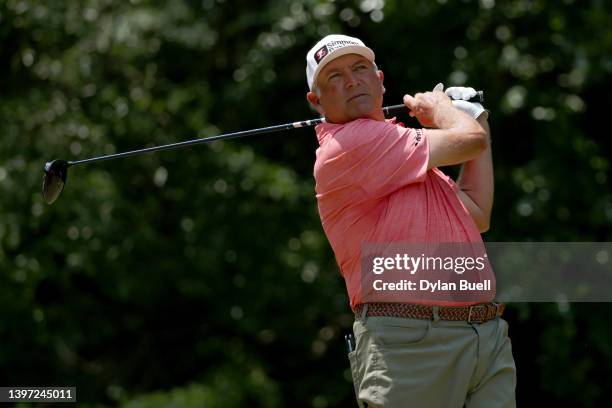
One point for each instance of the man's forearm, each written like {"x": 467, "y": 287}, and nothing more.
{"x": 476, "y": 182}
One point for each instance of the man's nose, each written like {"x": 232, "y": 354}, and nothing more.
{"x": 351, "y": 80}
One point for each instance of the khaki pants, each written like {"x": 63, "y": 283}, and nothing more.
{"x": 411, "y": 363}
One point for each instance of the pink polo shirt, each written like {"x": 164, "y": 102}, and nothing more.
{"x": 373, "y": 185}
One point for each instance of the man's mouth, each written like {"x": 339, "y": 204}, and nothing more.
{"x": 356, "y": 96}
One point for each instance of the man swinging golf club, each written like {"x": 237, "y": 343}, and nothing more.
{"x": 377, "y": 181}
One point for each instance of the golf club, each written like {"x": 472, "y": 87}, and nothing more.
{"x": 56, "y": 171}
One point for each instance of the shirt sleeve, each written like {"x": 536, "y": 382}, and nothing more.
{"x": 386, "y": 156}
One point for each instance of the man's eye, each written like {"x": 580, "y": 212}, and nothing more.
{"x": 361, "y": 67}
{"x": 333, "y": 76}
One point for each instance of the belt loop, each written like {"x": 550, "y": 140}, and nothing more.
{"x": 435, "y": 313}
{"x": 364, "y": 313}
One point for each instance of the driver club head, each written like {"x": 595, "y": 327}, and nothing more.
{"x": 54, "y": 179}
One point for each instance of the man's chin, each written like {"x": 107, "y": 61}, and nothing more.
{"x": 367, "y": 112}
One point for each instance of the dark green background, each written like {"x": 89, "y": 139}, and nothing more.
{"x": 202, "y": 277}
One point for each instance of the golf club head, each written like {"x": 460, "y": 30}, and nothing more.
{"x": 54, "y": 179}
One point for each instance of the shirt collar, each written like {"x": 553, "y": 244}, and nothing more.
{"x": 324, "y": 130}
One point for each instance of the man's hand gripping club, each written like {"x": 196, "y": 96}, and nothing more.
{"x": 454, "y": 136}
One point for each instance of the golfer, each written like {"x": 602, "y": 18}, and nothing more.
{"x": 378, "y": 181}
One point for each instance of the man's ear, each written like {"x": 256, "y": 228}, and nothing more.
{"x": 381, "y": 76}
{"x": 313, "y": 100}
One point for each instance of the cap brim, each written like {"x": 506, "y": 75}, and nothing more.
{"x": 349, "y": 49}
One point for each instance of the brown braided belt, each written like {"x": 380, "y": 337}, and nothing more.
{"x": 478, "y": 313}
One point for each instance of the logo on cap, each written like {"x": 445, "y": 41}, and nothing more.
{"x": 321, "y": 52}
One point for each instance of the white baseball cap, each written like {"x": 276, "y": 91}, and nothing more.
{"x": 329, "y": 48}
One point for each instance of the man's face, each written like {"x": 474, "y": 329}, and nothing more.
{"x": 349, "y": 88}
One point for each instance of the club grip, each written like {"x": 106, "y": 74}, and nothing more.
{"x": 395, "y": 109}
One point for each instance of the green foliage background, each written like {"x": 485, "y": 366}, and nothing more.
{"x": 202, "y": 277}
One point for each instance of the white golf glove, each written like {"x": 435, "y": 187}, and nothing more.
{"x": 460, "y": 96}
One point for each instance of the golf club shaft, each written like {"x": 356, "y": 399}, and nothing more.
{"x": 388, "y": 110}
{"x": 269, "y": 129}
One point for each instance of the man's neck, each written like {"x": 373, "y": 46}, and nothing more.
{"x": 378, "y": 115}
